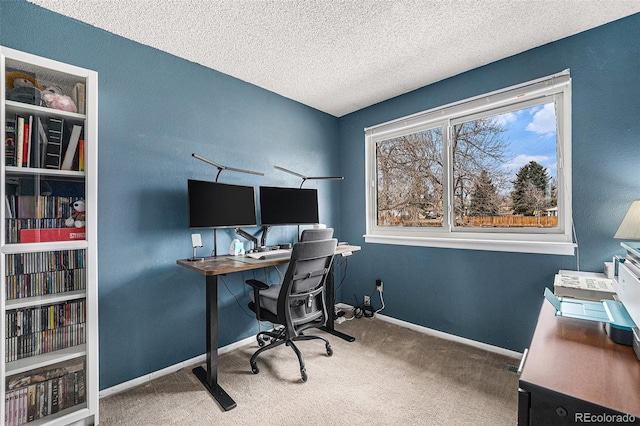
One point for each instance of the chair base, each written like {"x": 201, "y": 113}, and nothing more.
{"x": 280, "y": 338}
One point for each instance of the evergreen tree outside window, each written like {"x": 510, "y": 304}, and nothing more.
{"x": 532, "y": 190}
{"x": 485, "y": 200}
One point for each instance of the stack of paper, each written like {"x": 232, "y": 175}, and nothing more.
{"x": 583, "y": 285}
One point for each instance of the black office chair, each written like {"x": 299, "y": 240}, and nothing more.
{"x": 316, "y": 234}
{"x": 299, "y": 302}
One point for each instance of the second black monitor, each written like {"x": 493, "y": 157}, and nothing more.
{"x": 288, "y": 206}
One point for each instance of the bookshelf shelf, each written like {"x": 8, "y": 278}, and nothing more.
{"x": 48, "y": 242}
{"x": 65, "y": 417}
{"x": 45, "y": 173}
{"x": 48, "y": 246}
{"x": 39, "y": 361}
{"x": 22, "y": 107}
{"x": 46, "y": 299}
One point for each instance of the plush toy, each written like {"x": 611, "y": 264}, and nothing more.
{"x": 77, "y": 218}
{"x": 53, "y": 98}
{"x": 22, "y": 87}
{"x": 21, "y": 79}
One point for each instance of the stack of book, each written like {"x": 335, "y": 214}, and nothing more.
{"x": 45, "y": 391}
{"x": 44, "y": 142}
{"x": 46, "y": 272}
{"x": 35, "y": 331}
{"x": 40, "y": 218}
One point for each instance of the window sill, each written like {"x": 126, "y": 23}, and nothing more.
{"x": 536, "y": 247}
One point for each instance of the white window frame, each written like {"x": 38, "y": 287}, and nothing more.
{"x": 557, "y": 240}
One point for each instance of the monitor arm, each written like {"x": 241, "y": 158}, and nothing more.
{"x": 246, "y": 235}
{"x": 263, "y": 239}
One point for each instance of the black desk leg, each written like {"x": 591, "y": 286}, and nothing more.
{"x": 331, "y": 303}
{"x": 209, "y": 378}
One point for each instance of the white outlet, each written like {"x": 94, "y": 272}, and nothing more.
{"x": 367, "y": 300}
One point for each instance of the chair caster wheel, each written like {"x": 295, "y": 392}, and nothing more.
{"x": 254, "y": 369}
{"x": 303, "y": 373}
{"x": 329, "y": 350}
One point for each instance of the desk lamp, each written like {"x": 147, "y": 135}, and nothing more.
{"x": 233, "y": 169}
{"x": 630, "y": 227}
{"x": 306, "y": 178}
{"x": 221, "y": 167}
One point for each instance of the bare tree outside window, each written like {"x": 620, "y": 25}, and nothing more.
{"x": 487, "y": 189}
{"x": 410, "y": 175}
{"x": 478, "y": 147}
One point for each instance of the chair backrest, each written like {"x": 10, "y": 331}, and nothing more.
{"x": 301, "y": 301}
{"x": 316, "y": 234}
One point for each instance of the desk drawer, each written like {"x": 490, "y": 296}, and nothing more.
{"x": 538, "y": 406}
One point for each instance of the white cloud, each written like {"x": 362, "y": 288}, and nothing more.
{"x": 521, "y": 160}
{"x": 503, "y": 119}
{"x": 544, "y": 121}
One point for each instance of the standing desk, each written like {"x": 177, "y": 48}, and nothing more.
{"x": 221, "y": 265}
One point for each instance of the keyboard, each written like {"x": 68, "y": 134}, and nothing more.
{"x": 270, "y": 254}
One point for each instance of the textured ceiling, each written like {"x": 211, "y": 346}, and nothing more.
{"x": 341, "y": 56}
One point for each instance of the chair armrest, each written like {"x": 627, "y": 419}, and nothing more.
{"x": 258, "y": 285}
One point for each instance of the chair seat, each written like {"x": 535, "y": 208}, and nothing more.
{"x": 269, "y": 298}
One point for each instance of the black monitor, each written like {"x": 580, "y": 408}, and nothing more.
{"x": 220, "y": 205}
{"x": 288, "y": 206}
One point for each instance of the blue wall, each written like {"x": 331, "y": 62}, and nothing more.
{"x": 154, "y": 111}
{"x": 494, "y": 297}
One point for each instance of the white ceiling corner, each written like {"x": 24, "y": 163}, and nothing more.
{"x": 341, "y": 56}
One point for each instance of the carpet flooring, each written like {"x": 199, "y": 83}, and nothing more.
{"x": 390, "y": 375}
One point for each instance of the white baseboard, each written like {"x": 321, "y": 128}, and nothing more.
{"x": 203, "y": 358}
{"x": 442, "y": 335}
{"x": 171, "y": 369}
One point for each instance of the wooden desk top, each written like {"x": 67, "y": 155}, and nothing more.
{"x": 220, "y": 265}
{"x": 577, "y": 358}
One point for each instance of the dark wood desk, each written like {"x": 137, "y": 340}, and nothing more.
{"x": 221, "y": 265}
{"x": 572, "y": 369}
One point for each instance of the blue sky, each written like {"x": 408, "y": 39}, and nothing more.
{"x": 531, "y": 133}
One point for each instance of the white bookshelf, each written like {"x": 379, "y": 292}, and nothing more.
{"x": 49, "y": 270}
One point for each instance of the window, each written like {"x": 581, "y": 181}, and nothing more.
{"x": 491, "y": 173}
